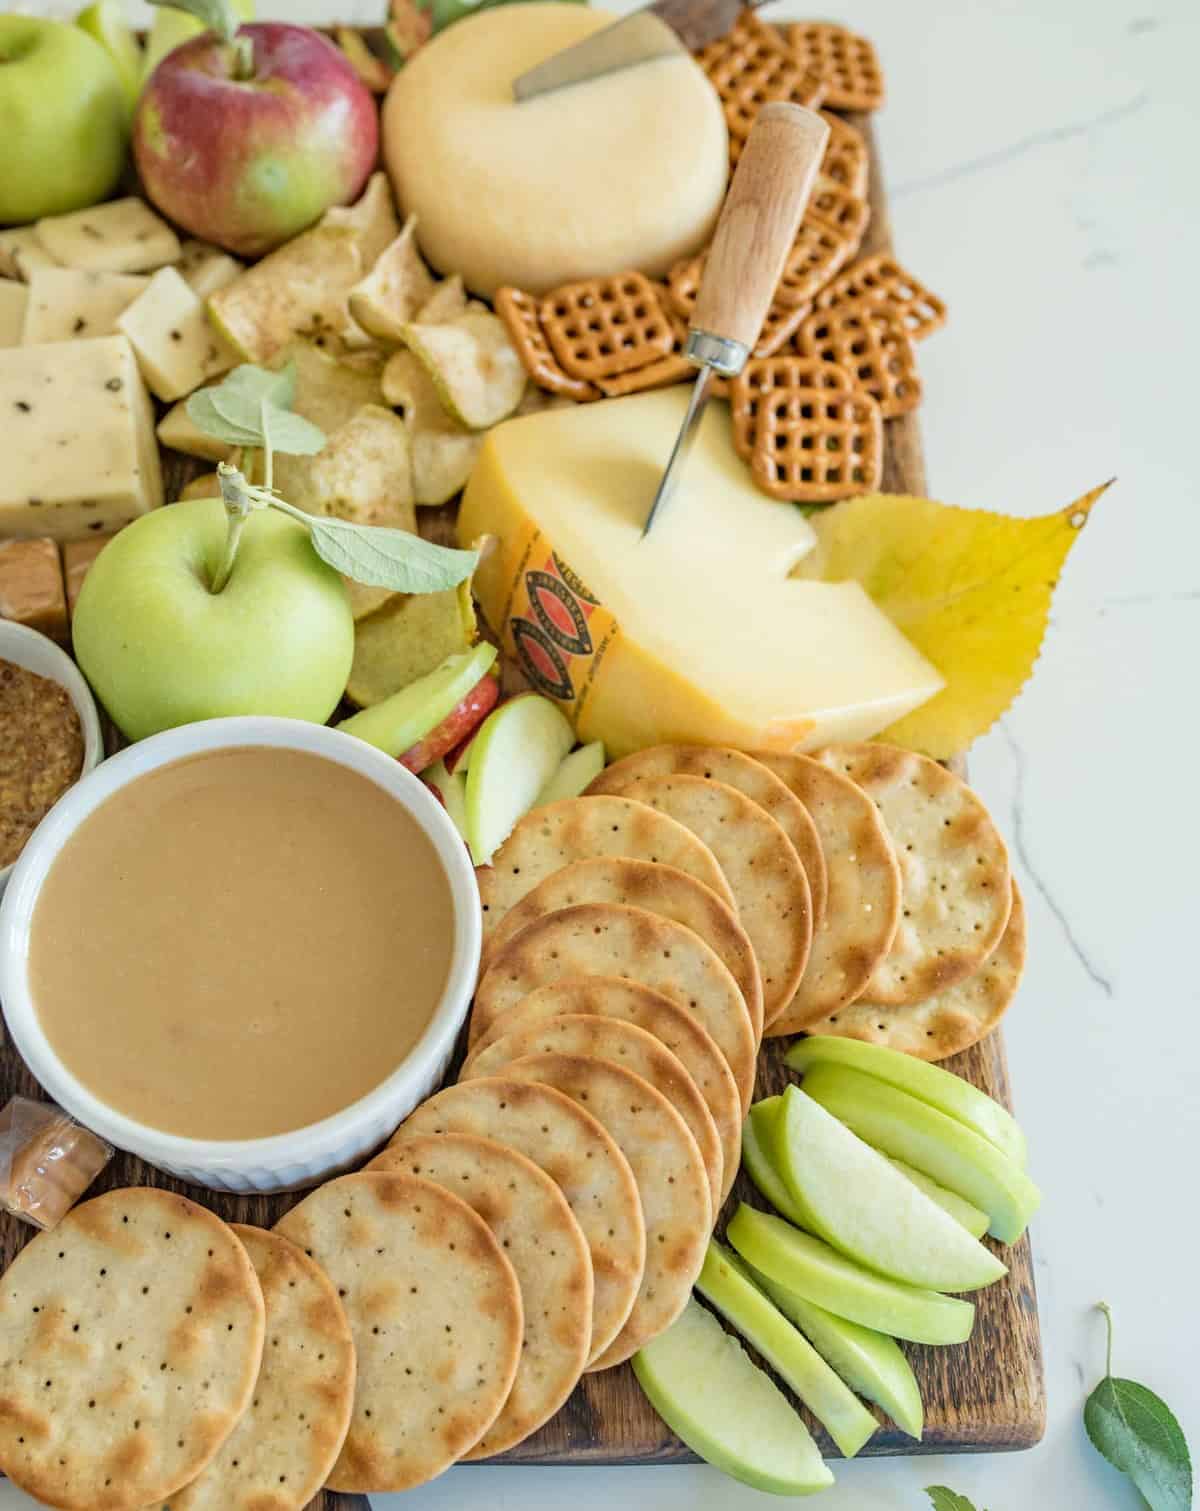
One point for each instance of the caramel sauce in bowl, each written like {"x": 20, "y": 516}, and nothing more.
{"x": 242, "y": 950}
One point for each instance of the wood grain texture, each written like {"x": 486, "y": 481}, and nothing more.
{"x": 985, "y": 1396}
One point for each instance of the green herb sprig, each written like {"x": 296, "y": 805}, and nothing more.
{"x": 1137, "y": 1433}
{"x": 947, "y": 1500}
{"x": 252, "y": 407}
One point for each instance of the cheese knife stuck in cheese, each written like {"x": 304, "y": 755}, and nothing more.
{"x": 762, "y": 213}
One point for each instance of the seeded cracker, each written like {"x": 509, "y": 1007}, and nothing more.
{"x": 674, "y": 1026}
{"x": 130, "y": 1340}
{"x": 604, "y": 939}
{"x": 578, "y": 1156}
{"x": 281, "y": 1451}
{"x": 955, "y": 879}
{"x": 436, "y": 1315}
{"x": 530, "y": 1219}
{"x": 620, "y": 1044}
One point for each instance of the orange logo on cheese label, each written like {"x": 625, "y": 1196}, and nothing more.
{"x": 556, "y": 630}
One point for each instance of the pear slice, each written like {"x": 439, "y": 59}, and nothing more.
{"x": 818, "y": 1273}
{"x": 395, "y": 289}
{"x": 930, "y": 1083}
{"x": 869, "y": 1362}
{"x": 724, "y": 1283}
{"x": 447, "y": 301}
{"x": 706, "y": 1388}
{"x": 476, "y": 370}
{"x": 443, "y": 453}
{"x": 371, "y": 220}
{"x": 939, "y": 1146}
{"x": 867, "y": 1209}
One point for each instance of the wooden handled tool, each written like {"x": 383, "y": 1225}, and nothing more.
{"x": 761, "y": 215}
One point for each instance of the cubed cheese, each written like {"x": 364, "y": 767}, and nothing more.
{"x": 21, "y": 253}
{"x": 31, "y": 586}
{"x": 696, "y": 633}
{"x": 79, "y": 454}
{"x": 67, "y": 304}
{"x": 122, "y": 236}
{"x": 177, "y": 349}
{"x": 205, "y": 269}
{"x": 77, "y": 557}
{"x": 14, "y": 297}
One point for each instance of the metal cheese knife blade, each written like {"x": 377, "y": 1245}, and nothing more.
{"x": 759, "y": 220}
{"x": 657, "y": 31}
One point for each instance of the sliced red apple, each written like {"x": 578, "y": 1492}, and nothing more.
{"x": 517, "y": 750}
{"x": 458, "y": 726}
{"x": 399, "y": 722}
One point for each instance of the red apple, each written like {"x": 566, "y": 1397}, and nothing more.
{"x": 246, "y": 142}
{"x": 455, "y": 727}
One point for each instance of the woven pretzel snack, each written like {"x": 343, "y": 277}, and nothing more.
{"x": 882, "y": 278}
{"x": 868, "y": 338}
{"x": 519, "y": 311}
{"x": 600, "y": 327}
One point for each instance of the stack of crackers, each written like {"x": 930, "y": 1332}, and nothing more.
{"x": 836, "y": 356}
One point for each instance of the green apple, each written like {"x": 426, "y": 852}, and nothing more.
{"x": 869, "y": 1362}
{"x": 758, "y": 1138}
{"x": 867, "y": 1209}
{"x": 724, "y": 1283}
{"x": 63, "y": 119}
{"x": 575, "y": 774}
{"x": 812, "y": 1269}
{"x": 518, "y": 748}
{"x": 928, "y": 1083}
{"x": 105, "y": 20}
{"x": 161, "y": 649}
{"x": 708, "y": 1391}
{"x": 399, "y": 722}
{"x": 939, "y": 1146}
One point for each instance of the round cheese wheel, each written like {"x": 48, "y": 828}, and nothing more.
{"x": 621, "y": 172}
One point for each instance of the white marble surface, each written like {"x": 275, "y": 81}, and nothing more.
{"x": 1042, "y": 162}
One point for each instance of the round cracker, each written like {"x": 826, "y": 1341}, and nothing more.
{"x": 623, "y": 1044}
{"x": 130, "y": 1339}
{"x": 751, "y": 778}
{"x": 657, "y": 888}
{"x": 436, "y": 1315}
{"x": 582, "y": 1160}
{"x": 606, "y": 939}
{"x": 578, "y": 828}
{"x": 956, "y": 886}
{"x": 690, "y": 1043}
{"x": 770, "y": 889}
{"x": 282, "y": 1450}
{"x": 952, "y": 1020}
{"x": 863, "y": 896}
{"x": 532, "y": 1222}
{"x": 670, "y": 1178}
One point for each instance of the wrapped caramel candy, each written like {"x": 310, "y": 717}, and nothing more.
{"x": 47, "y": 1161}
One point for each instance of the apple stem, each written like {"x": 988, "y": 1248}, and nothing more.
{"x": 1107, "y": 1310}
{"x": 237, "y": 511}
{"x": 243, "y": 57}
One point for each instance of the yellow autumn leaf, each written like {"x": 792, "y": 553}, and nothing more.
{"x": 969, "y": 588}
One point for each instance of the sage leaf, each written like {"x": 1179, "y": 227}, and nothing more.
{"x": 384, "y": 558}
{"x": 204, "y": 413}
{"x": 290, "y": 432}
{"x": 259, "y": 383}
{"x": 252, "y": 407}
{"x": 947, "y": 1500}
{"x": 1137, "y": 1433}
{"x": 214, "y": 15}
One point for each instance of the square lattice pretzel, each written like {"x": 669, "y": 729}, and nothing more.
{"x": 832, "y": 203}
{"x": 882, "y": 278}
{"x": 519, "y": 311}
{"x": 750, "y": 67}
{"x": 809, "y": 434}
{"x": 847, "y": 62}
{"x": 867, "y": 337}
{"x": 601, "y": 327}
{"x": 821, "y": 249}
{"x": 846, "y": 161}
{"x": 781, "y": 320}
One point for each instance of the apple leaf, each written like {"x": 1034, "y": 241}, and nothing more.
{"x": 394, "y": 559}
{"x": 1137, "y": 1433}
{"x": 947, "y": 1500}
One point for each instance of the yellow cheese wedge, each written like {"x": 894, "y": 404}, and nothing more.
{"x": 696, "y": 633}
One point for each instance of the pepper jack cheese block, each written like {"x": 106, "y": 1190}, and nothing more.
{"x": 79, "y": 453}
{"x": 176, "y": 347}
{"x": 694, "y": 634}
{"x": 14, "y": 297}
{"x": 68, "y": 304}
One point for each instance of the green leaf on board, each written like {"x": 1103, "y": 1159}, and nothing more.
{"x": 947, "y": 1500}
{"x": 252, "y": 407}
{"x": 394, "y": 559}
{"x": 1137, "y": 1433}
{"x": 213, "y": 15}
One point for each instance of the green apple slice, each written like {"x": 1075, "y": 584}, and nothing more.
{"x": 928, "y": 1083}
{"x": 451, "y": 787}
{"x": 105, "y": 20}
{"x": 758, "y": 1136}
{"x": 939, "y": 1146}
{"x": 867, "y": 1209}
{"x": 816, "y": 1272}
{"x": 723, "y": 1281}
{"x": 708, "y": 1391}
{"x": 518, "y": 748}
{"x": 963, "y": 1212}
{"x": 575, "y": 774}
{"x": 396, "y": 724}
{"x": 869, "y": 1362}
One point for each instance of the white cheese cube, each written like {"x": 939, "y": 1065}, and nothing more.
{"x": 177, "y": 349}
{"x": 21, "y": 253}
{"x": 67, "y": 304}
{"x": 122, "y": 236}
{"x": 205, "y": 269}
{"x": 13, "y": 299}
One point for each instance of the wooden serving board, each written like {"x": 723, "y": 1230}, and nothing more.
{"x": 985, "y": 1396}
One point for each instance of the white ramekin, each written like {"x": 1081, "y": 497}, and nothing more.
{"x": 37, "y": 653}
{"x": 286, "y": 1160}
